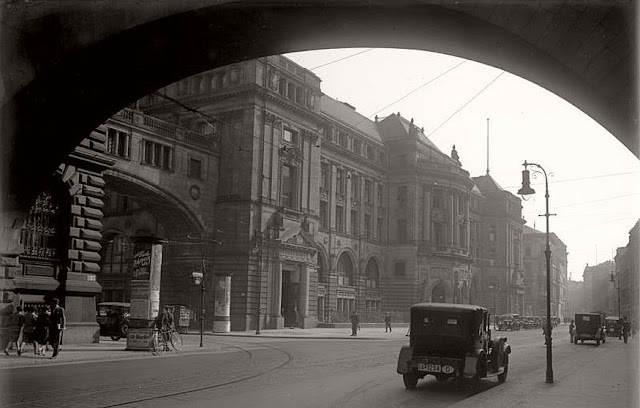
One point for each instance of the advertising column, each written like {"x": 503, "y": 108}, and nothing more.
{"x": 222, "y": 310}
{"x": 145, "y": 291}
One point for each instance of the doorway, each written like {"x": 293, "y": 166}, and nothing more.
{"x": 289, "y": 307}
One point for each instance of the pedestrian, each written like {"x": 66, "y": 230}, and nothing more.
{"x": 57, "y": 325}
{"x": 295, "y": 317}
{"x": 355, "y": 324}
{"x": 164, "y": 323}
{"x": 387, "y": 322}
{"x": 28, "y": 329}
{"x": 572, "y": 331}
{"x": 41, "y": 333}
{"x": 625, "y": 329}
{"x": 16, "y": 323}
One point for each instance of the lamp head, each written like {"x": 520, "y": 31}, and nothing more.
{"x": 526, "y": 187}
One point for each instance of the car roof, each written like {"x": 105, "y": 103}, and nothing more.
{"x": 124, "y": 304}
{"x": 447, "y": 307}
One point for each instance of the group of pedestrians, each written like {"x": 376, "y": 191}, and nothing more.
{"x": 355, "y": 323}
{"x": 41, "y": 328}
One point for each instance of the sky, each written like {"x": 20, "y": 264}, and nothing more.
{"x": 594, "y": 180}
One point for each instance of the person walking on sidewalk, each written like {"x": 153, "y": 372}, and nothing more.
{"x": 16, "y": 323}
{"x": 572, "y": 331}
{"x": 41, "y": 334}
{"x": 57, "y": 326}
{"x": 355, "y": 323}
{"x": 625, "y": 329}
{"x": 28, "y": 329}
{"x": 387, "y": 322}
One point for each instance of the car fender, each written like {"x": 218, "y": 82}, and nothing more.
{"x": 404, "y": 360}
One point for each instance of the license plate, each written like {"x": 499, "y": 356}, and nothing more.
{"x": 433, "y": 368}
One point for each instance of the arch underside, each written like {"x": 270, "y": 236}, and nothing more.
{"x": 176, "y": 219}
{"x": 75, "y": 95}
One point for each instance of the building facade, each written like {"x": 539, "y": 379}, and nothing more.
{"x": 597, "y": 283}
{"x": 309, "y": 209}
{"x": 624, "y": 282}
{"x": 535, "y": 274}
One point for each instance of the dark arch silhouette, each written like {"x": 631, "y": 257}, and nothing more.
{"x": 79, "y": 84}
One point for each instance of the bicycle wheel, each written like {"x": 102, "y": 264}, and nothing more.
{"x": 159, "y": 346}
{"x": 176, "y": 341}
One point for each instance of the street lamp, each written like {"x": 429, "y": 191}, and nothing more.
{"x": 198, "y": 279}
{"x": 495, "y": 310}
{"x": 618, "y": 286}
{"x": 527, "y": 190}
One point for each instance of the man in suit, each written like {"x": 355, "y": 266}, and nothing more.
{"x": 58, "y": 322}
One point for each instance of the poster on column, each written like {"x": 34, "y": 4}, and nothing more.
{"x": 142, "y": 264}
{"x": 140, "y": 299}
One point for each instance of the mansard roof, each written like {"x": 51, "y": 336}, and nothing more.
{"x": 347, "y": 115}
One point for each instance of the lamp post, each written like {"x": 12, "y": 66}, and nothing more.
{"x": 198, "y": 279}
{"x": 495, "y": 310}
{"x": 527, "y": 190}
{"x": 617, "y": 285}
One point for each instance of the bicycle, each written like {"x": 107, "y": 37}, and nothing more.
{"x": 165, "y": 340}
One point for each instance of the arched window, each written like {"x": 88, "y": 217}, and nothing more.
{"x": 322, "y": 269}
{"x": 345, "y": 270}
{"x": 372, "y": 274}
{"x": 438, "y": 293}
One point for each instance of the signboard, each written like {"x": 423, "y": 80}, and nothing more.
{"x": 139, "y": 339}
{"x": 142, "y": 264}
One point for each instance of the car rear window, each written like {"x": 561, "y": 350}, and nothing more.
{"x": 437, "y": 323}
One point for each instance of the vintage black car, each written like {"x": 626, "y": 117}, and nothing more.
{"x": 613, "y": 326}
{"x": 113, "y": 318}
{"x": 589, "y": 327}
{"x": 452, "y": 341}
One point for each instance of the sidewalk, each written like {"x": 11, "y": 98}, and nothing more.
{"x": 108, "y": 350}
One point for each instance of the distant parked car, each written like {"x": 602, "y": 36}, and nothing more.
{"x": 589, "y": 327}
{"x": 113, "y": 318}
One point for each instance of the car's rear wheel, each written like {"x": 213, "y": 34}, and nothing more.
{"x": 597, "y": 342}
{"x": 503, "y": 377}
{"x": 410, "y": 380}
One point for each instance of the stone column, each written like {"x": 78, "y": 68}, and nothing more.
{"x": 304, "y": 295}
{"x": 145, "y": 291}
{"x": 277, "y": 320}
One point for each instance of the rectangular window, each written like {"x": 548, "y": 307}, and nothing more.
{"x": 370, "y": 152}
{"x": 368, "y": 231}
{"x": 357, "y": 146}
{"x": 368, "y": 194}
{"x": 380, "y": 195}
{"x": 355, "y": 230}
{"x": 380, "y": 224}
{"x": 399, "y": 268}
{"x": 324, "y": 176}
{"x": 195, "y": 168}
{"x": 290, "y": 136}
{"x": 438, "y": 233}
{"x": 402, "y": 231}
{"x": 492, "y": 233}
{"x": 324, "y": 215}
{"x": 355, "y": 188}
{"x": 340, "y": 182}
{"x": 339, "y": 218}
{"x": 118, "y": 143}
{"x": 289, "y": 184}
{"x": 438, "y": 200}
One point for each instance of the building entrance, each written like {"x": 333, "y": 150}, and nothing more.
{"x": 290, "y": 289}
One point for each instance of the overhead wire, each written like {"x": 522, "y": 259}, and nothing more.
{"x": 341, "y": 59}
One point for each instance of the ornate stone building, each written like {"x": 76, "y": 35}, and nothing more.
{"x": 309, "y": 210}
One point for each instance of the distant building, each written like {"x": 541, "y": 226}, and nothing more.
{"x": 597, "y": 281}
{"x": 535, "y": 272}
{"x": 576, "y": 299}
{"x": 626, "y": 276}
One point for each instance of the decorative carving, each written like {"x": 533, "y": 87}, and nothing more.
{"x": 270, "y": 118}
{"x": 40, "y": 230}
{"x": 272, "y": 79}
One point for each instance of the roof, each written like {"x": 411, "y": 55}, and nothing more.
{"x": 348, "y": 116}
{"x": 448, "y": 307}
{"x": 487, "y": 184}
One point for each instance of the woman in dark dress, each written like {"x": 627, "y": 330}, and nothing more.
{"x": 41, "y": 333}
